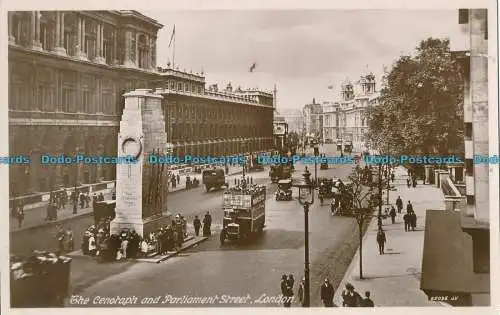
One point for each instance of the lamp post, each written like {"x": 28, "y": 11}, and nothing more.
{"x": 316, "y": 154}
{"x": 170, "y": 150}
{"x": 243, "y": 149}
{"x": 361, "y": 216}
{"x": 306, "y": 199}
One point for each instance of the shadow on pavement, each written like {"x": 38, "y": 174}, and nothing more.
{"x": 270, "y": 239}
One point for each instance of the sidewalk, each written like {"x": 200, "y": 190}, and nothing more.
{"x": 35, "y": 216}
{"x": 393, "y": 279}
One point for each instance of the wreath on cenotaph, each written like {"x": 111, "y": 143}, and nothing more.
{"x": 134, "y": 140}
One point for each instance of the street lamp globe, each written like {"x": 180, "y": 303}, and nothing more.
{"x": 306, "y": 190}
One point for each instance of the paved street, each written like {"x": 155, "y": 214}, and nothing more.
{"x": 208, "y": 269}
{"x": 43, "y": 237}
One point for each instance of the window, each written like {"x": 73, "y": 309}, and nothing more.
{"x": 68, "y": 104}
{"x": 469, "y": 167}
{"x": 199, "y": 89}
{"x": 186, "y": 87}
{"x": 179, "y": 86}
{"x": 463, "y": 16}
{"x": 172, "y": 85}
{"x": 86, "y": 101}
{"x": 468, "y": 131}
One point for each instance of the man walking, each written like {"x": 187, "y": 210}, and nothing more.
{"x": 207, "y": 222}
{"x": 381, "y": 241}
{"x": 392, "y": 213}
{"x": 327, "y": 293}
{"x": 285, "y": 290}
{"x": 399, "y": 204}
{"x": 409, "y": 207}
{"x": 300, "y": 292}
{"x": 197, "y": 225}
{"x": 413, "y": 220}
{"x": 406, "y": 219}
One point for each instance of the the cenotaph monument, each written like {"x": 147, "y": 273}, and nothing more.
{"x": 141, "y": 187}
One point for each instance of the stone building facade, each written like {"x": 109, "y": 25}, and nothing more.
{"x": 313, "y": 120}
{"x": 355, "y": 99}
{"x": 458, "y": 262}
{"x": 331, "y": 115}
{"x": 67, "y": 74}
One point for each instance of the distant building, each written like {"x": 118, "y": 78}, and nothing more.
{"x": 331, "y": 115}
{"x": 313, "y": 120}
{"x": 293, "y": 118}
{"x": 456, "y": 263}
{"x": 354, "y": 102}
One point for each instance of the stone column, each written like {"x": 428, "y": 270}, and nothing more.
{"x": 128, "y": 43}
{"x": 142, "y": 130}
{"x": 84, "y": 52}
{"x": 59, "y": 46}
{"x": 35, "y": 31}
{"x": 136, "y": 61}
{"x": 98, "y": 54}
{"x": 79, "y": 38}
{"x": 115, "y": 47}
{"x": 12, "y": 39}
{"x": 479, "y": 98}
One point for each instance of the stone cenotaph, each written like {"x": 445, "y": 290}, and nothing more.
{"x": 141, "y": 186}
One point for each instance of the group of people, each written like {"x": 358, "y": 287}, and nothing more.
{"x": 207, "y": 225}
{"x": 167, "y": 238}
{"x": 350, "y": 298}
{"x": 59, "y": 199}
{"x": 65, "y": 239}
{"x": 286, "y": 285}
{"x": 175, "y": 180}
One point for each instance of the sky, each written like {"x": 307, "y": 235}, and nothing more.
{"x": 303, "y": 52}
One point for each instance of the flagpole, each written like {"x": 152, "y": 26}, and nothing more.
{"x": 173, "y": 57}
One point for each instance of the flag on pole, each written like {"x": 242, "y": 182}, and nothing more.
{"x": 253, "y": 66}
{"x": 172, "y": 37}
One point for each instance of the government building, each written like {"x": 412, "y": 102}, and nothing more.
{"x": 346, "y": 118}
{"x": 68, "y": 71}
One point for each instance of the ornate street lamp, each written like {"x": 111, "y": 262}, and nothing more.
{"x": 306, "y": 199}
{"x": 316, "y": 154}
{"x": 243, "y": 149}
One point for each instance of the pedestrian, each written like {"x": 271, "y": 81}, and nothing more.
{"x": 197, "y": 225}
{"x": 350, "y": 298}
{"x": 413, "y": 220}
{"x": 300, "y": 292}
{"x": 381, "y": 240}
{"x": 82, "y": 200}
{"x": 291, "y": 281}
{"x": 392, "y": 177}
{"x": 392, "y": 213}
{"x": 60, "y": 234}
{"x": 414, "y": 182}
{"x": 408, "y": 182}
{"x": 207, "y": 222}
{"x": 406, "y": 219}
{"x": 409, "y": 207}
{"x": 327, "y": 293}
{"x": 87, "y": 200}
{"x": 399, "y": 204}
{"x": 285, "y": 291}
{"x": 366, "y": 302}
{"x": 178, "y": 179}
{"x": 69, "y": 239}
{"x": 20, "y": 214}
{"x": 101, "y": 197}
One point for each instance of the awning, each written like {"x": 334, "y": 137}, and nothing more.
{"x": 447, "y": 262}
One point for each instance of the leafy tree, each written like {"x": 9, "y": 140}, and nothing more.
{"x": 420, "y": 109}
